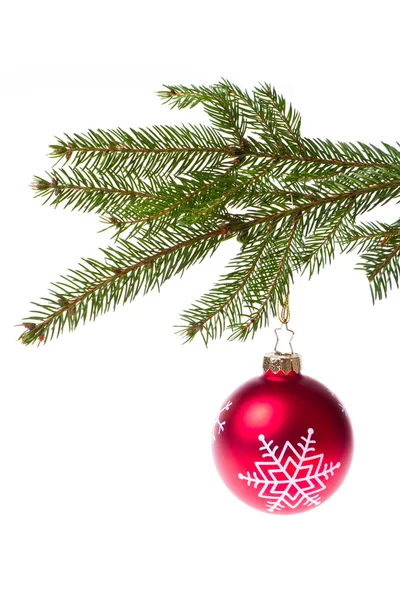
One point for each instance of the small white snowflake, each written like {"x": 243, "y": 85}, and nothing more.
{"x": 340, "y": 404}
{"x": 218, "y": 423}
{"x": 290, "y": 478}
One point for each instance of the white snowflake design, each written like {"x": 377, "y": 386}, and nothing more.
{"x": 342, "y": 408}
{"x": 291, "y": 477}
{"x": 218, "y": 423}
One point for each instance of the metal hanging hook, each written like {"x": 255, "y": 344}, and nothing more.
{"x": 284, "y": 317}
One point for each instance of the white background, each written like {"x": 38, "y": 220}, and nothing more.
{"x": 107, "y": 485}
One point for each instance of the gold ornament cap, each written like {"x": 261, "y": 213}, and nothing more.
{"x": 276, "y": 361}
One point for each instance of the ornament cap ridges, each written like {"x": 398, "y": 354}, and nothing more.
{"x": 276, "y": 361}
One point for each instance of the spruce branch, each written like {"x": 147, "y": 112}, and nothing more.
{"x": 319, "y": 247}
{"x": 229, "y": 295}
{"x": 379, "y": 250}
{"x": 277, "y": 273}
{"x": 156, "y": 150}
{"x": 99, "y": 286}
{"x": 172, "y": 194}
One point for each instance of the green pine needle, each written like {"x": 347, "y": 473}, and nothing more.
{"x": 173, "y": 194}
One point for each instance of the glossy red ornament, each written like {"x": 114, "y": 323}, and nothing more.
{"x": 282, "y": 443}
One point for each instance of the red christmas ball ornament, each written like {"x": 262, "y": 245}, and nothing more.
{"x": 282, "y": 442}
